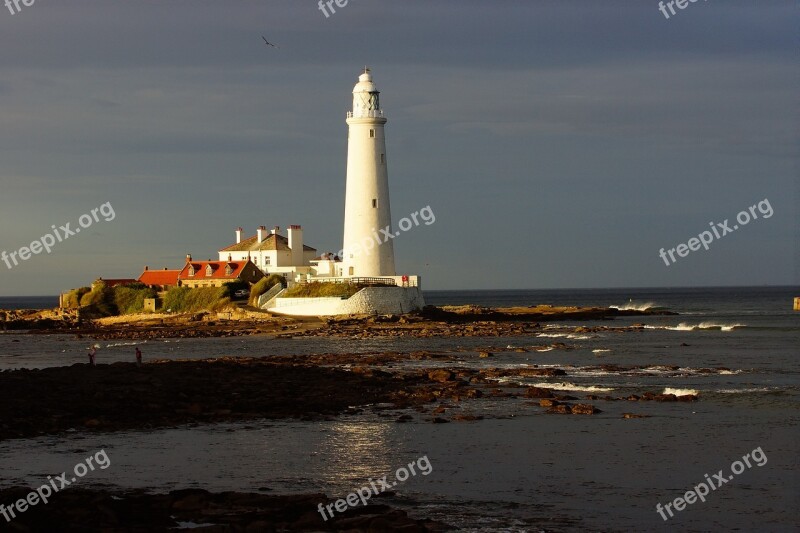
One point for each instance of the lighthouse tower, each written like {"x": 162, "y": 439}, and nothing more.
{"x": 366, "y": 209}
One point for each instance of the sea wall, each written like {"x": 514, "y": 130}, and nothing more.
{"x": 367, "y": 301}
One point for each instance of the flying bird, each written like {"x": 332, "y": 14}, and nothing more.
{"x": 269, "y": 43}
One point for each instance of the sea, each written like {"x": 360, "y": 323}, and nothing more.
{"x": 519, "y": 468}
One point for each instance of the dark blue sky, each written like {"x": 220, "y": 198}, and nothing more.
{"x": 559, "y": 143}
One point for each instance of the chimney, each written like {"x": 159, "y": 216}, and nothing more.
{"x": 261, "y": 234}
{"x": 239, "y": 235}
{"x": 296, "y": 245}
{"x": 146, "y": 268}
{"x": 188, "y": 257}
{"x": 230, "y": 258}
{"x": 276, "y": 230}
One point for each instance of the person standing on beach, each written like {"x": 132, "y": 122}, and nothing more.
{"x": 138, "y": 357}
{"x": 92, "y": 353}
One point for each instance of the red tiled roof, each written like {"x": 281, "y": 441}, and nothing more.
{"x": 159, "y": 277}
{"x": 217, "y": 269}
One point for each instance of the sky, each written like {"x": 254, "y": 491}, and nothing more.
{"x": 560, "y": 144}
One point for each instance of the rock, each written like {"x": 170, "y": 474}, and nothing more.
{"x": 561, "y": 408}
{"x": 92, "y": 423}
{"x": 584, "y": 409}
{"x": 466, "y": 418}
{"x": 484, "y": 355}
{"x": 190, "y": 500}
{"x": 632, "y": 415}
{"x": 547, "y": 402}
{"x": 537, "y": 392}
{"x": 538, "y": 372}
{"x": 441, "y": 375}
{"x": 439, "y": 420}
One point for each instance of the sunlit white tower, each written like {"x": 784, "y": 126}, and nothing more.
{"x": 366, "y": 209}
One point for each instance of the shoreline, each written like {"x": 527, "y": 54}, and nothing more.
{"x": 465, "y": 320}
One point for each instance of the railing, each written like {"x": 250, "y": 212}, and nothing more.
{"x": 265, "y": 299}
{"x": 352, "y": 281}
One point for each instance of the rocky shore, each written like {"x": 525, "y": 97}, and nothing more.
{"x": 447, "y": 321}
{"x": 83, "y": 510}
{"x": 159, "y": 394}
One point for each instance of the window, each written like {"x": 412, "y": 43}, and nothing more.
{"x": 209, "y": 271}
{"x": 351, "y": 271}
{"x": 228, "y": 270}
{"x": 191, "y": 271}
{"x": 372, "y": 133}
{"x": 375, "y": 203}
{"x": 266, "y": 261}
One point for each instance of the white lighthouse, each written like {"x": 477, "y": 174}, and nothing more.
{"x": 367, "y": 209}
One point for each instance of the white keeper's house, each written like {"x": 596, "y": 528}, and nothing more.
{"x": 271, "y": 252}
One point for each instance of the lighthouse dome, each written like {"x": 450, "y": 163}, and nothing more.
{"x": 365, "y": 83}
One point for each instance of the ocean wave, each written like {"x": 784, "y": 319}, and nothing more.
{"x": 633, "y": 306}
{"x": 683, "y": 326}
{"x": 601, "y": 350}
{"x": 579, "y": 337}
{"x": 591, "y": 373}
{"x": 552, "y": 335}
{"x": 655, "y": 370}
{"x": 121, "y": 344}
{"x": 565, "y": 385}
{"x": 681, "y": 392}
{"x": 544, "y": 349}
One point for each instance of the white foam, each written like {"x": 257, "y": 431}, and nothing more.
{"x": 578, "y": 337}
{"x": 681, "y": 392}
{"x": 552, "y": 335}
{"x": 601, "y": 350}
{"x": 723, "y": 327}
{"x": 633, "y": 306}
{"x": 544, "y": 349}
{"x": 565, "y": 385}
{"x": 121, "y": 344}
{"x": 705, "y": 325}
{"x": 683, "y": 326}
